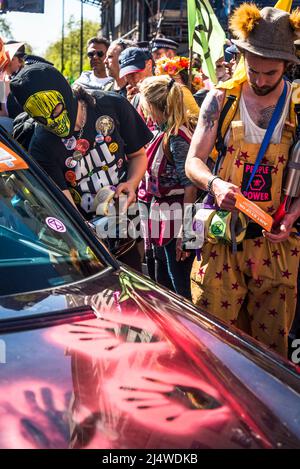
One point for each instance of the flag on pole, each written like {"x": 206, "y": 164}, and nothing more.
{"x": 239, "y": 75}
{"x": 206, "y": 35}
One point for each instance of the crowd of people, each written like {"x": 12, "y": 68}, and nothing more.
{"x": 147, "y": 125}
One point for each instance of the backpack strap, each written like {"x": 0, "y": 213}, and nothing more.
{"x": 228, "y": 112}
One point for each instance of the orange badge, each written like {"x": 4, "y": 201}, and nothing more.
{"x": 9, "y": 160}
{"x": 70, "y": 176}
{"x": 254, "y": 212}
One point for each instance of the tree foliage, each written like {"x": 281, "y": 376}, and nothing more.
{"x": 72, "y": 48}
{"x": 5, "y": 30}
{"x": 6, "y": 34}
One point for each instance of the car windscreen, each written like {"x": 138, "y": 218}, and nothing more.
{"x": 40, "y": 246}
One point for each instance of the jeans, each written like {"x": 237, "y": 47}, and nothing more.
{"x": 179, "y": 272}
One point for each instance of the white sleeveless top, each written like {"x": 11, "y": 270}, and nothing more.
{"x": 255, "y": 134}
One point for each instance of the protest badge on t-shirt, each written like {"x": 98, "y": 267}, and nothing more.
{"x": 253, "y": 211}
{"x": 9, "y": 160}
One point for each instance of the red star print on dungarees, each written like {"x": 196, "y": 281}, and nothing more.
{"x": 240, "y": 301}
{"x": 238, "y": 163}
{"x": 213, "y": 254}
{"x": 225, "y": 304}
{"x": 264, "y": 160}
{"x": 286, "y": 273}
{"x": 275, "y": 253}
{"x": 282, "y": 296}
{"x": 219, "y": 275}
{"x": 231, "y": 149}
{"x": 262, "y": 326}
{"x": 234, "y": 286}
{"x": 267, "y": 262}
{"x": 295, "y": 252}
{"x": 205, "y": 303}
{"x": 270, "y": 209}
{"x": 250, "y": 263}
{"x": 273, "y": 346}
{"x": 238, "y": 269}
{"x": 273, "y": 312}
{"x": 258, "y": 282}
{"x": 257, "y": 243}
{"x": 257, "y": 304}
{"x": 244, "y": 154}
{"x": 281, "y": 159}
{"x": 201, "y": 271}
{"x": 226, "y": 267}
{"x": 267, "y": 292}
{"x": 281, "y": 332}
{"x": 251, "y": 317}
{"x": 275, "y": 170}
{"x": 233, "y": 322}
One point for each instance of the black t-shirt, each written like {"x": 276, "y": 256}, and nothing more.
{"x": 13, "y": 107}
{"x": 123, "y": 132}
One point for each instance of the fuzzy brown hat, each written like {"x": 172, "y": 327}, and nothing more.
{"x": 269, "y": 32}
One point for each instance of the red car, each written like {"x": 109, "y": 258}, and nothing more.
{"x": 95, "y": 355}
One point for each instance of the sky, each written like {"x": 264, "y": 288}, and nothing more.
{"x": 40, "y": 30}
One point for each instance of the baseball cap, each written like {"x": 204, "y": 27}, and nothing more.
{"x": 133, "y": 59}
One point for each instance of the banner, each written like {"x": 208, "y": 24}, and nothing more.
{"x": 206, "y": 36}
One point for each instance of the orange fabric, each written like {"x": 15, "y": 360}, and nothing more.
{"x": 256, "y": 287}
{"x": 258, "y": 283}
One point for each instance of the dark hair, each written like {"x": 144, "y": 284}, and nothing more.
{"x": 82, "y": 95}
{"x": 98, "y": 40}
{"x": 124, "y": 43}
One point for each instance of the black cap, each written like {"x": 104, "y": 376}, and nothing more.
{"x": 144, "y": 45}
{"x": 163, "y": 43}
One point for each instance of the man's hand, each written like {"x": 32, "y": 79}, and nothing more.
{"x": 224, "y": 193}
{"x": 128, "y": 189}
{"x": 131, "y": 92}
{"x": 283, "y": 231}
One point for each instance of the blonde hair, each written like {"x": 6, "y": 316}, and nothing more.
{"x": 165, "y": 95}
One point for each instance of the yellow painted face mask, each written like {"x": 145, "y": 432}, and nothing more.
{"x": 49, "y": 109}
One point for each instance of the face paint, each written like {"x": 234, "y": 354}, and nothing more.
{"x": 49, "y": 109}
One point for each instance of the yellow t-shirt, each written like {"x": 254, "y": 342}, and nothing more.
{"x": 189, "y": 101}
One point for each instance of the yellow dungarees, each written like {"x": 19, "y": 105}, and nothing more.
{"x": 256, "y": 288}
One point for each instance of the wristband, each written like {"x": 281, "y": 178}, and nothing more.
{"x": 210, "y": 183}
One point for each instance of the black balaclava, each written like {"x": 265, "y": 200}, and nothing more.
{"x": 46, "y": 96}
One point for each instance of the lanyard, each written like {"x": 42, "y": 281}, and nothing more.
{"x": 269, "y": 132}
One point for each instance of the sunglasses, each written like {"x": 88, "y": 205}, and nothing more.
{"x": 98, "y": 53}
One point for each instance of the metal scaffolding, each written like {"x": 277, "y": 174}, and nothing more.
{"x": 146, "y": 18}
{"x": 96, "y": 3}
